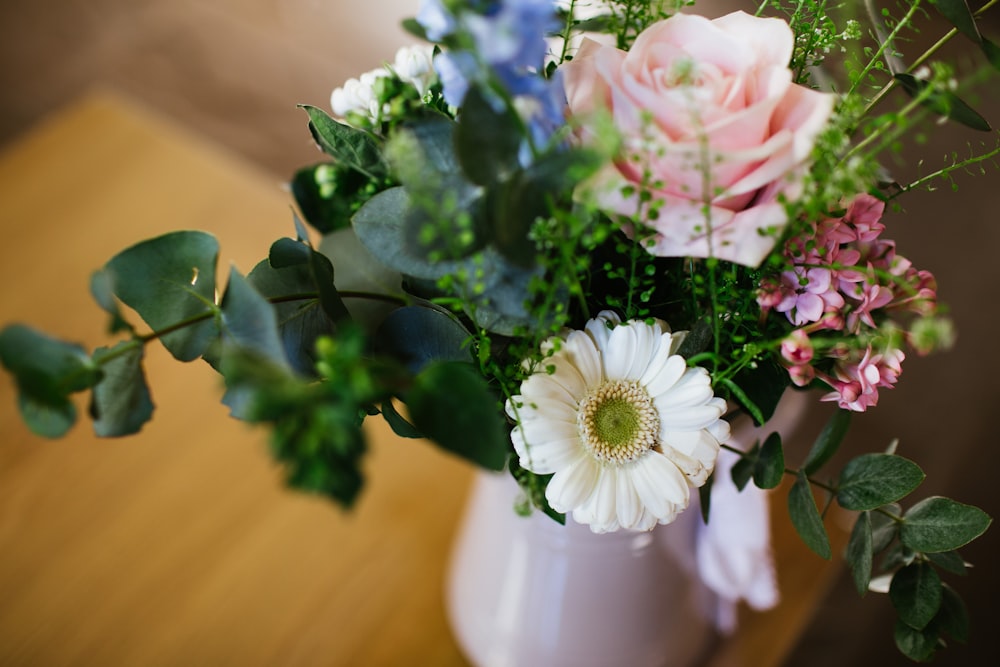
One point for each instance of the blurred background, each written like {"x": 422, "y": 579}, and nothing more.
{"x": 233, "y": 71}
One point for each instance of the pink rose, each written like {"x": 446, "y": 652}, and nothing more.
{"x": 708, "y": 110}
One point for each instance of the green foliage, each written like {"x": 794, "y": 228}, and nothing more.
{"x": 942, "y": 102}
{"x": 859, "y": 552}
{"x": 451, "y": 404}
{"x": 349, "y": 147}
{"x": 418, "y": 335}
{"x": 770, "y": 465}
{"x": 872, "y": 480}
{"x": 916, "y": 594}
{"x": 941, "y": 524}
{"x": 47, "y": 372}
{"x": 805, "y": 517}
{"x": 170, "y": 282}
{"x": 120, "y": 403}
{"x": 828, "y": 442}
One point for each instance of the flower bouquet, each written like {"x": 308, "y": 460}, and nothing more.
{"x": 574, "y": 241}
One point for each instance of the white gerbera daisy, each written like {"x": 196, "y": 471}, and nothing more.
{"x": 624, "y": 426}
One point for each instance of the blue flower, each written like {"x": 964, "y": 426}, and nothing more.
{"x": 436, "y": 20}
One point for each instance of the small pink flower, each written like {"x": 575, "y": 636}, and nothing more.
{"x": 856, "y": 384}
{"x": 808, "y": 294}
{"x": 797, "y": 348}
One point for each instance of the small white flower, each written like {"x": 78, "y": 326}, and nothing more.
{"x": 415, "y": 65}
{"x": 624, "y": 426}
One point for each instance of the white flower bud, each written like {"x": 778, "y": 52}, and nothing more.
{"x": 414, "y": 65}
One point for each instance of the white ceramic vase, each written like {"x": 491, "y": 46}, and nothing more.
{"x": 529, "y": 592}
{"x": 526, "y": 591}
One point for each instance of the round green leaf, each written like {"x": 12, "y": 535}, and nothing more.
{"x": 859, "y": 552}
{"x": 120, "y": 403}
{"x": 168, "y": 280}
{"x": 805, "y": 517}
{"x": 942, "y": 524}
{"x": 917, "y": 645}
{"x": 451, "y": 404}
{"x": 770, "y": 466}
{"x": 418, "y": 335}
{"x": 872, "y": 480}
{"x": 915, "y": 592}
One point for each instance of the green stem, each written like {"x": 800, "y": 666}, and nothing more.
{"x": 884, "y": 45}
{"x": 944, "y": 171}
{"x": 922, "y": 59}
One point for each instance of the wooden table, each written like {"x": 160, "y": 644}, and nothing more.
{"x": 180, "y": 546}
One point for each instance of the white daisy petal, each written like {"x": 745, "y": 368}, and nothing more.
{"x": 620, "y": 352}
{"x": 569, "y": 488}
{"x": 549, "y": 456}
{"x": 599, "y": 330}
{"x": 627, "y": 502}
{"x": 660, "y": 484}
{"x": 690, "y": 418}
{"x": 580, "y": 350}
{"x": 666, "y": 377}
{"x": 622, "y": 424}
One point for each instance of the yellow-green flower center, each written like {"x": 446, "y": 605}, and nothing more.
{"x": 618, "y": 422}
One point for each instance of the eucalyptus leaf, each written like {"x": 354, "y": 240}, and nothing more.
{"x": 46, "y": 371}
{"x": 120, "y": 403}
{"x": 828, "y": 441}
{"x": 451, "y": 404}
{"x": 949, "y": 561}
{"x": 915, "y": 592}
{"x": 288, "y": 252}
{"x": 884, "y": 528}
{"x": 380, "y": 225}
{"x": 859, "y": 552}
{"x": 953, "y": 616}
{"x": 349, "y": 146}
{"x": 45, "y": 368}
{"x": 103, "y": 292}
{"x": 941, "y": 524}
{"x": 418, "y": 335}
{"x": 742, "y": 471}
{"x": 301, "y": 321}
{"x": 169, "y": 281}
{"x": 805, "y": 517}
{"x": 872, "y": 480}
{"x": 369, "y": 289}
{"x": 769, "y": 468}
{"x": 917, "y": 645}
{"x": 249, "y": 322}
{"x": 498, "y": 292}
{"x": 49, "y": 419}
